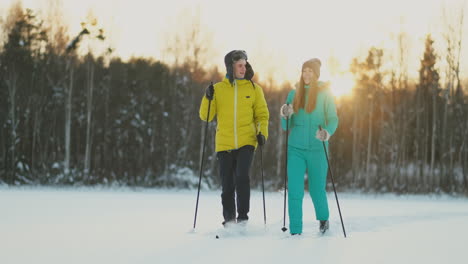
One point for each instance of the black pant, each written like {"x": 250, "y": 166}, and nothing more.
{"x": 234, "y": 168}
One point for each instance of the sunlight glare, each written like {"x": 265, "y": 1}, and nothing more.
{"x": 342, "y": 85}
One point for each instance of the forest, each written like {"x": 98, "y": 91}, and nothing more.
{"x": 72, "y": 113}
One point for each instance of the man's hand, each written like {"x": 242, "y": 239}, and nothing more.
{"x": 261, "y": 139}
{"x": 209, "y": 93}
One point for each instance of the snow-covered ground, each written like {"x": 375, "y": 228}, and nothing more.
{"x": 42, "y": 225}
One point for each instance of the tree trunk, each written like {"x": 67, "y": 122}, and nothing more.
{"x": 425, "y": 147}
{"x": 464, "y": 161}
{"x": 107, "y": 156}
{"x": 36, "y": 136}
{"x": 3, "y": 156}
{"x": 369, "y": 147}
{"x": 451, "y": 173}
{"x": 417, "y": 155}
{"x": 444, "y": 144}
{"x": 12, "y": 89}
{"x": 355, "y": 158}
{"x": 89, "y": 119}
{"x": 433, "y": 139}
{"x": 68, "y": 110}
{"x": 280, "y": 150}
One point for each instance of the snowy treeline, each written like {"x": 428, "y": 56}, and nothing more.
{"x": 68, "y": 118}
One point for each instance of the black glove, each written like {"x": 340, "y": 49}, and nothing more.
{"x": 209, "y": 93}
{"x": 261, "y": 139}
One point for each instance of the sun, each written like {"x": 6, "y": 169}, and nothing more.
{"x": 342, "y": 85}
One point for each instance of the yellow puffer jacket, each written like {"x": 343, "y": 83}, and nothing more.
{"x": 241, "y": 112}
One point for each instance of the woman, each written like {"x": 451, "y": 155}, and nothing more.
{"x": 309, "y": 106}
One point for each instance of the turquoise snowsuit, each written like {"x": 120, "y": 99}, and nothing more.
{"x": 305, "y": 153}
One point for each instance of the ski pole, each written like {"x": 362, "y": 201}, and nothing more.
{"x": 333, "y": 183}
{"x": 285, "y": 176}
{"x": 201, "y": 162}
{"x": 263, "y": 182}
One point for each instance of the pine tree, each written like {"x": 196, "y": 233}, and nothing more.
{"x": 427, "y": 92}
{"x": 22, "y": 52}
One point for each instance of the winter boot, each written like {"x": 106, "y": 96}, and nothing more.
{"x": 242, "y": 220}
{"x": 229, "y": 223}
{"x": 324, "y": 225}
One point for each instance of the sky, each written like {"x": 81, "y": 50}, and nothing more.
{"x": 278, "y": 36}
{"x": 101, "y": 225}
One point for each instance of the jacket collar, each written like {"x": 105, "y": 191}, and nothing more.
{"x": 239, "y": 81}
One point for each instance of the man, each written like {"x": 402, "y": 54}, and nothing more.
{"x": 242, "y": 116}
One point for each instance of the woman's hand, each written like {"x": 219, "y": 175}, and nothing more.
{"x": 322, "y": 135}
{"x": 286, "y": 111}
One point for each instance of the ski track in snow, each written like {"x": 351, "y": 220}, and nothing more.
{"x": 44, "y": 225}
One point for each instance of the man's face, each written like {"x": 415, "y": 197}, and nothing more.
{"x": 239, "y": 68}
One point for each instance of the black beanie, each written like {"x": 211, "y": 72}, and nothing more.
{"x": 314, "y": 64}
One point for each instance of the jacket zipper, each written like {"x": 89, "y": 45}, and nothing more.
{"x": 235, "y": 114}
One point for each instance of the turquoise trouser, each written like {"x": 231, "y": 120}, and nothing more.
{"x": 315, "y": 163}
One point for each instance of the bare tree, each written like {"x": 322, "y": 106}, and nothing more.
{"x": 369, "y": 75}
{"x": 453, "y": 35}
{"x": 398, "y": 110}
{"x": 188, "y": 50}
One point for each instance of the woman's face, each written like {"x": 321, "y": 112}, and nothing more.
{"x": 308, "y": 75}
{"x": 239, "y": 68}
